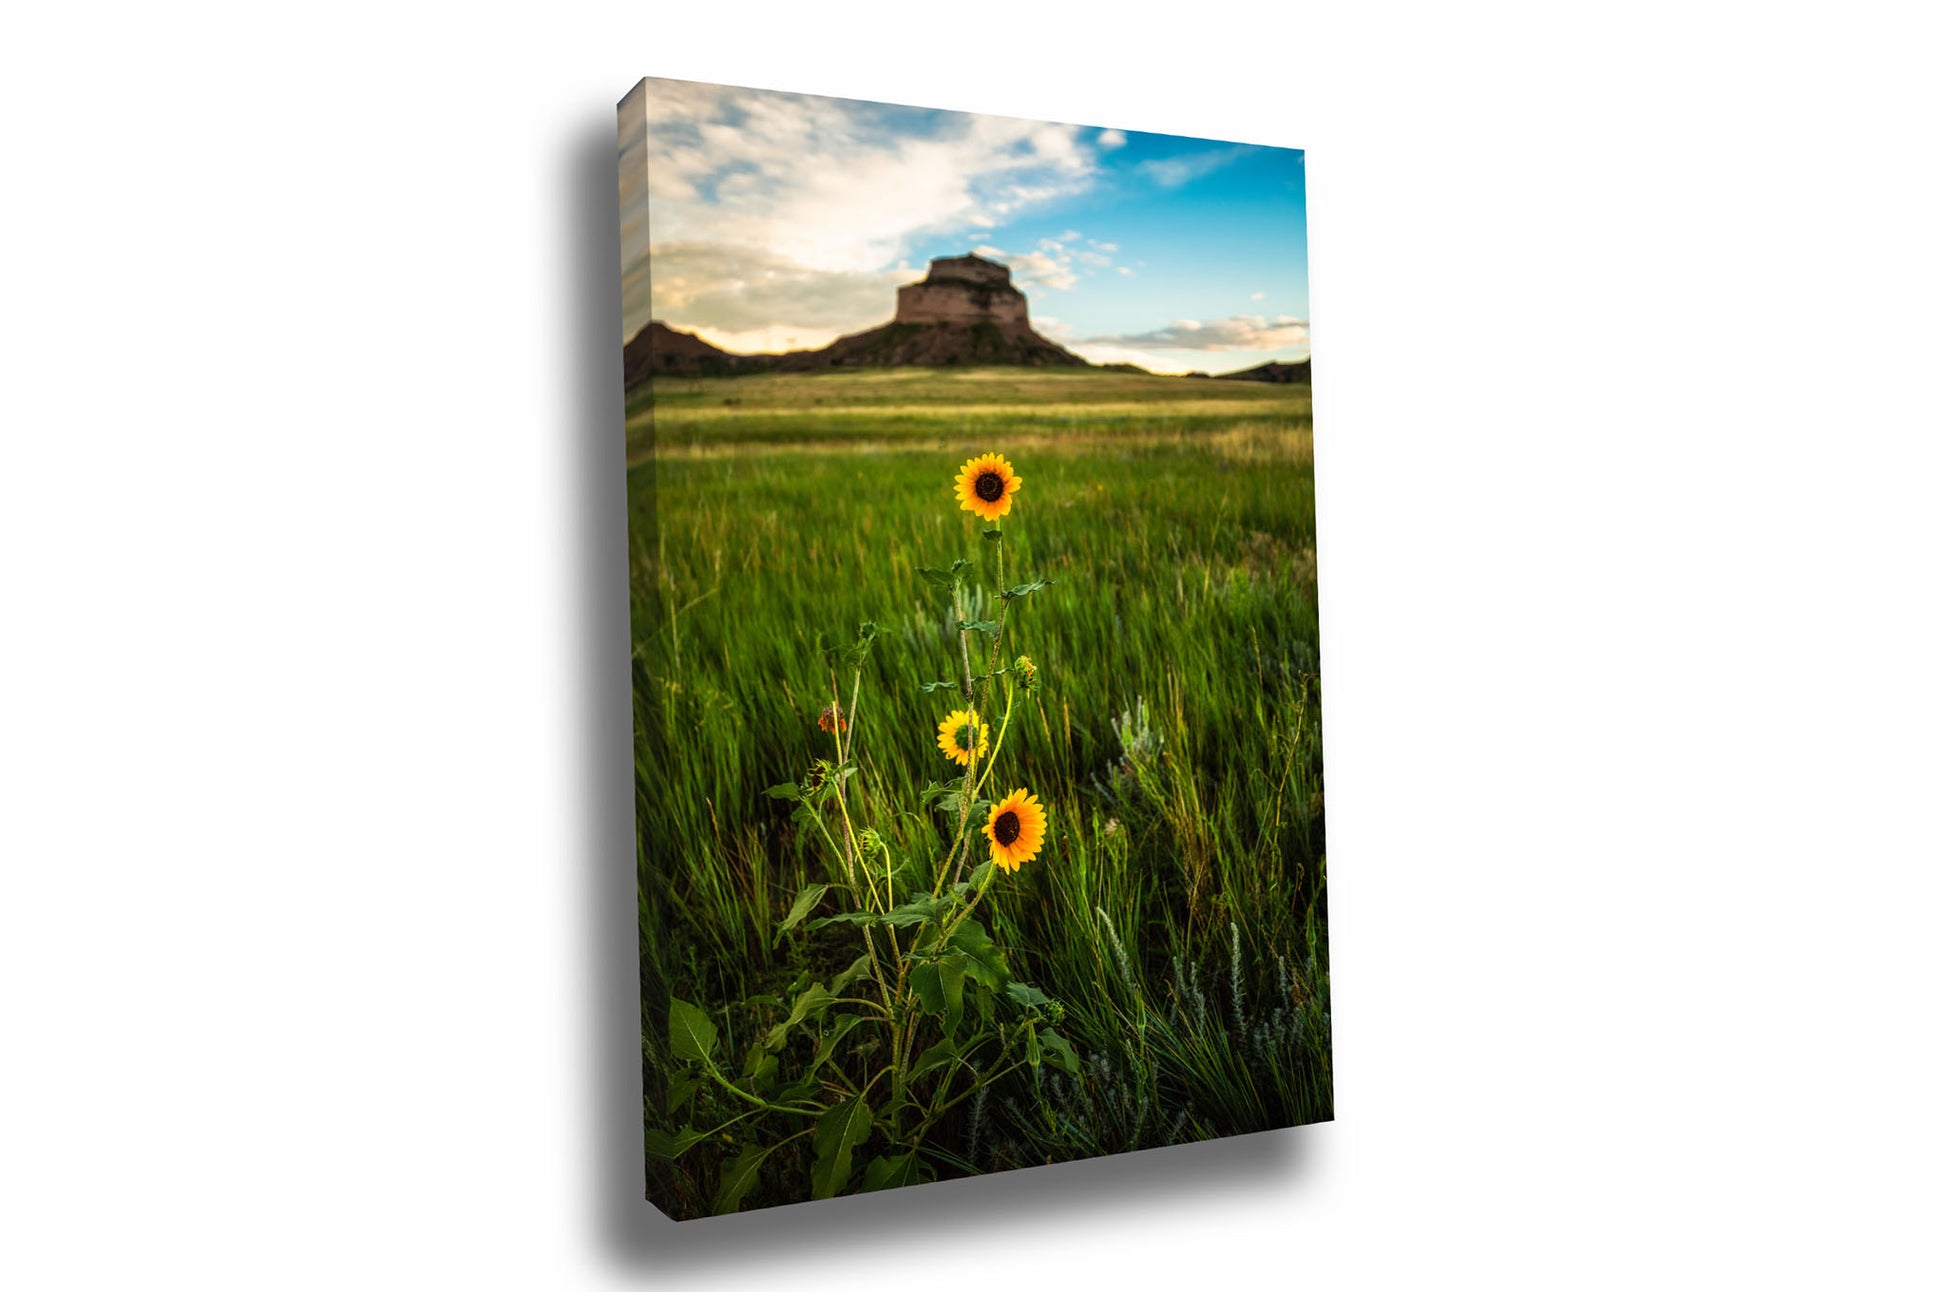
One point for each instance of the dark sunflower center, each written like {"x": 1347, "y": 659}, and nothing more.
{"x": 990, "y": 486}
{"x": 1006, "y": 828}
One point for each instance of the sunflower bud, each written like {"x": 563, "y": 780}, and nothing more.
{"x": 870, "y": 845}
{"x": 1029, "y": 674}
{"x": 814, "y": 778}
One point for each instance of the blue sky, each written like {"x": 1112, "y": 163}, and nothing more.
{"x": 779, "y": 221}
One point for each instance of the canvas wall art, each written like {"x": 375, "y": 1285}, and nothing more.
{"x": 973, "y": 585}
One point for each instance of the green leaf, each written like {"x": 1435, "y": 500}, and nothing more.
{"x": 917, "y": 911}
{"x": 1060, "y": 1053}
{"x": 859, "y": 968}
{"x": 788, "y": 790}
{"x": 991, "y": 535}
{"x": 867, "y": 634}
{"x": 983, "y": 1000}
{"x": 931, "y": 992}
{"x": 977, "y": 880}
{"x": 813, "y": 1002}
{"x": 842, "y": 1128}
{"x": 691, "y": 1035}
{"x": 984, "y": 959}
{"x": 948, "y": 577}
{"x": 1033, "y": 1046}
{"x": 941, "y": 985}
{"x": 984, "y": 625}
{"x": 946, "y": 1051}
{"x": 1025, "y": 589}
{"x": 859, "y": 918}
{"x": 760, "y": 1072}
{"x": 1024, "y": 994}
{"x": 681, "y": 1090}
{"x": 891, "y": 1172}
{"x": 797, "y": 1091}
{"x": 800, "y": 908}
{"x": 828, "y": 1044}
{"x": 987, "y": 626}
{"x": 661, "y": 1144}
{"x": 738, "y": 1177}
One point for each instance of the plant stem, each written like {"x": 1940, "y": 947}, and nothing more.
{"x": 960, "y": 851}
{"x": 858, "y": 1000}
{"x": 871, "y": 948}
{"x": 966, "y": 666}
{"x": 959, "y": 917}
{"x": 966, "y": 1094}
{"x": 745, "y": 1095}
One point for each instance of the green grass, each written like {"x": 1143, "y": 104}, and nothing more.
{"x": 771, "y": 515}
{"x": 913, "y": 405}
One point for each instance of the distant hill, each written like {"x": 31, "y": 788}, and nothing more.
{"x": 934, "y": 345}
{"x": 1282, "y": 373}
{"x": 966, "y": 312}
{"x": 659, "y": 348}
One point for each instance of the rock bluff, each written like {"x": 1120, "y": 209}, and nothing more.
{"x": 961, "y": 290}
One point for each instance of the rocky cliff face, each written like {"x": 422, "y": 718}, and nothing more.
{"x": 966, "y": 312}
{"x": 963, "y": 290}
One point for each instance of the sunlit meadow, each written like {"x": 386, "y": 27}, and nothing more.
{"x": 969, "y": 840}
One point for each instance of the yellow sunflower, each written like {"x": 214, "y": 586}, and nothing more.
{"x": 1016, "y": 826}
{"x": 986, "y": 486}
{"x": 963, "y": 737}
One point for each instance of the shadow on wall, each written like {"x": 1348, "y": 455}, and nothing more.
{"x": 629, "y": 1233}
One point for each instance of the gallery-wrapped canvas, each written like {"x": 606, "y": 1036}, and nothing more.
{"x": 973, "y": 582}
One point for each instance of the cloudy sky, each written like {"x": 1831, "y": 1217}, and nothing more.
{"x": 783, "y": 221}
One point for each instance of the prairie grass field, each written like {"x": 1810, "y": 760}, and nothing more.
{"x": 1174, "y": 920}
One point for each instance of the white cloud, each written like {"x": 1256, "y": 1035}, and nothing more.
{"x": 1042, "y": 270}
{"x": 1174, "y": 172}
{"x": 1256, "y": 296}
{"x": 815, "y": 186}
{"x": 768, "y": 340}
{"x": 1095, "y": 352}
{"x": 1125, "y": 271}
{"x": 1238, "y": 332}
{"x": 1111, "y": 139}
{"x": 706, "y": 287}
{"x": 1053, "y": 261}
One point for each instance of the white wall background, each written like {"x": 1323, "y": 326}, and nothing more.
{"x": 315, "y": 931}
